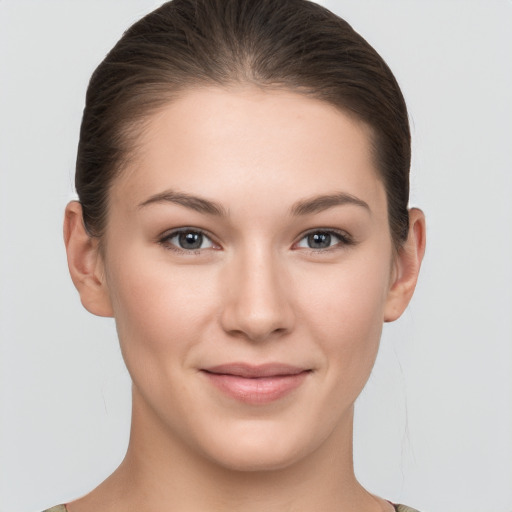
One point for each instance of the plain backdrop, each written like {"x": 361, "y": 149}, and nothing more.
{"x": 434, "y": 424}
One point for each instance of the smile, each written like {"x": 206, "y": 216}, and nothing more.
{"x": 256, "y": 384}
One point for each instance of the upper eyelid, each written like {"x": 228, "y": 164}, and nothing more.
{"x": 338, "y": 232}
{"x": 345, "y": 239}
{"x": 168, "y": 234}
{"x": 165, "y": 240}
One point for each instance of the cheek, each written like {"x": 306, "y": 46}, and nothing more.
{"x": 159, "y": 310}
{"x": 345, "y": 312}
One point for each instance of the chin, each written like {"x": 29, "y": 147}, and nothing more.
{"x": 259, "y": 448}
{"x": 242, "y": 460}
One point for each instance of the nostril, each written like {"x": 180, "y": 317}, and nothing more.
{"x": 257, "y": 306}
{"x": 256, "y": 328}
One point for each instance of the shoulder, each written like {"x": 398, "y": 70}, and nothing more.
{"x": 404, "y": 508}
{"x": 399, "y": 508}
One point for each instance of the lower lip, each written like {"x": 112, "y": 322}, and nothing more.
{"x": 262, "y": 390}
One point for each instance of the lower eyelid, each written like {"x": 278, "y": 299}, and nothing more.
{"x": 165, "y": 240}
{"x": 343, "y": 238}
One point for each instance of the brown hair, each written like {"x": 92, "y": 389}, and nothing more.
{"x": 292, "y": 44}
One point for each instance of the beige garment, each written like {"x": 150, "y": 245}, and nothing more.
{"x": 404, "y": 508}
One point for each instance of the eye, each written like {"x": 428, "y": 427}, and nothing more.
{"x": 324, "y": 239}
{"x": 187, "y": 240}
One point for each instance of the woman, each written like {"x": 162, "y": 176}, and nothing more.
{"x": 242, "y": 175}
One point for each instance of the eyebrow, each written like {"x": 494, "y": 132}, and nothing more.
{"x": 315, "y": 204}
{"x": 198, "y": 204}
{"x": 324, "y": 202}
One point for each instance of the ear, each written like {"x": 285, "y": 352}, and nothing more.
{"x": 407, "y": 267}
{"x": 85, "y": 263}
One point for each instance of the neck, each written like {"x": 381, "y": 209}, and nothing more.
{"x": 159, "y": 473}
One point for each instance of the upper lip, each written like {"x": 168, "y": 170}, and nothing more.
{"x": 250, "y": 371}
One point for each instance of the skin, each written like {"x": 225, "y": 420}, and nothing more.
{"x": 254, "y": 292}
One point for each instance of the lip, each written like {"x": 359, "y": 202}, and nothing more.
{"x": 256, "y": 384}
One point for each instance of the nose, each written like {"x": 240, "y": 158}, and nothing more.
{"x": 257, "y": 304}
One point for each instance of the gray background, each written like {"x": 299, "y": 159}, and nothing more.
{"x": 434, "y": 425}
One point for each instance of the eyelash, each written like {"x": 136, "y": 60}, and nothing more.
{"x": 165, "y": 240}
{"x": 344, "y": 240}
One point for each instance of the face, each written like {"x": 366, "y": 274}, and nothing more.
{"x": 248, "y": 262}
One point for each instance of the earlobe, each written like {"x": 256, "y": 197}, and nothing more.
{"x": 408, "y": 263}
{"x": 85, "y": 263}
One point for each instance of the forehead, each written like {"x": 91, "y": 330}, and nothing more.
{"x": 226, "y": 142}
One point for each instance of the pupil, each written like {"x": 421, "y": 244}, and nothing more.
{"x": 319, "y": 240}
{"x": 191, "y": 240}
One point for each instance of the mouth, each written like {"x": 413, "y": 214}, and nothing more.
{"x": 261, "y": 384}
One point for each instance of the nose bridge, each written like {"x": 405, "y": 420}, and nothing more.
{"x": 257, "y": 304}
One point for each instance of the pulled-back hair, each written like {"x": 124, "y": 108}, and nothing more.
{"x": 290, "y": 44}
